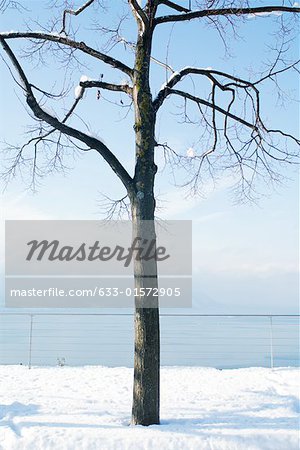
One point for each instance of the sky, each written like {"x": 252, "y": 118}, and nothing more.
{"x": 245, "y": 254}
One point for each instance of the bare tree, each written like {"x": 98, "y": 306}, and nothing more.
{"x": 238, "y": 137}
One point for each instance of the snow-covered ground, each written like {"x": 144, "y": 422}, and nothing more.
{"x": 201, "y": 408}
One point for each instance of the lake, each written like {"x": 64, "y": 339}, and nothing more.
{"x": 192, "y": 340}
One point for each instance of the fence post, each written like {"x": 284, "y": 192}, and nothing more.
{"x": 30, "y": 341}
{"x": 271, "y": 343}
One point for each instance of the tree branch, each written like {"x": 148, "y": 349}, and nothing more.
{"x": 224, "y": 12}
{"x": 13, "y": 4}
{"x": 176, "y": 77}
{"x": 74, "y": 12}
{"x": 254, "y": 147}
{"x": 81, "y": 46}
{"x": 115, "y": 208}
{"x": 174, "y": 6}
{"x": 173, "y": 80}
{"x": 139, "y": 13}
{"x": 258, "y": 125}
{"x": 108, "y": 86}
{"x": 41, "y": 114}
{"x": 213, "y": 106}
{"x": 162, "y": 64}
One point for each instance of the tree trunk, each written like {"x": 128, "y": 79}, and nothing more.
{"x": 145, "y": 409}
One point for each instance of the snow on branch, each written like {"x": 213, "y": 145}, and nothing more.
{"x": 41, "y": 114}
{"x": 140, "y": 15}
{"x": 174, "y": 79}
{"x": 108, "y": 86}
{"x": 260, "y": 10}
{"x": 85, "y": 83}
{"x": 81, "y": 46}
{"x": 213, "y": 76}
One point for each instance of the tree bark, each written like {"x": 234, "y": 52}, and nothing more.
{"x": 145, "y": 408}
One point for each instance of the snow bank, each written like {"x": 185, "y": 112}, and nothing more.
{"x": 88, "y": 408}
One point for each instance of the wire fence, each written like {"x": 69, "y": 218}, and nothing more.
{"x": 222, "y": 341}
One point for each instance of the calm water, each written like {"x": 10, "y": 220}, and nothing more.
{"x": 223, "y": 342}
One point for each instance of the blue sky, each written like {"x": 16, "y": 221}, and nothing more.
{"x": 245, "y": 255}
